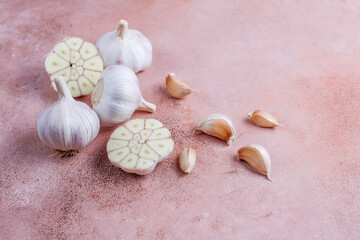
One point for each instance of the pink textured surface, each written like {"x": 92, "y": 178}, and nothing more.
{"x": 296, "y": 59}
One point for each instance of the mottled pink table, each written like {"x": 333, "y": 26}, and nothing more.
{"x": 299, "y": 60}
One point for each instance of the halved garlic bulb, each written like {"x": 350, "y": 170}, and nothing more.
{"x": 117, "y": 95}
{"x": 218, "y": 125}
{"x": 139, "y": 145}
{"x": 127, "y": 47}
{"x": 67, "y": 125}
{"x": 78, "y": 62}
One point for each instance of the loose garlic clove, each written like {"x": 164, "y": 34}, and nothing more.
{"x": 67, "y": 125}
{"x": 177, "y": 87}
{"x": 257, "y": 157}
{"x": 78, "y": 62}
{"x": 117, "y": 96}
{"x": 127, "y": 47}
{"x": 263, "y": 119}
{"x": 217, "y": 125}
{"x": 139, "y": 145}
{"x": 187, "y": 160}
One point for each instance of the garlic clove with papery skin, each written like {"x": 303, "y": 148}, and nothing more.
{"x": 125, "y": 46}
{"x": 187, "y": 160}
{"x": 177, "y": 87}
{"x": 257, "y": 157}
{"x": 218, "y": 125}
{"x": 67, "y": 125}
{"x": 78, "y": 62}
{"x": 263, "y": 119}
{"x": 117, "y": 95}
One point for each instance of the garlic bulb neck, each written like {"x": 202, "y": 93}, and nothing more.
{"x": 146, "y": 106}
{"x": 63, "y": 90}
{"x": 123, "y": 28}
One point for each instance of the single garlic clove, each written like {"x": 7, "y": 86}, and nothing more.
{"x": 78, "y": 62}
{"x": 263, "y": 119}
{"x": 177, "y": 87}
{"x": 127, "y": 47}
{"x": 187, "y": 160}
{"x": 257, "y": 157}
{"x": 139, "y": 145}
{"x": 217, "y": 125}
{"x": 117, "y": 95}
{"x": 67, "y": 125}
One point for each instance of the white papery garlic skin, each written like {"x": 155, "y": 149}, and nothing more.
{"x": 218, "y": 125}
{"x": 127, "y": 47}
{"x": 257, "y": 157}
{"x": 117, "y": 95}
{"x": 78, "y": 62}
{"x": 67, "y": 125}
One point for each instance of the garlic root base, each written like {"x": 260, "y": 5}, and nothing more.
{"x": 66, "y": 153}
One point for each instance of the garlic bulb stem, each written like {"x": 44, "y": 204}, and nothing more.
{"x": 63, "y": 90}
{"x": 122, "y": 29}
{"x": 146, "y": 106}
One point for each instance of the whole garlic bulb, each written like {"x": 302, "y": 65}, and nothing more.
{"x": 125, "y": 46}
{"x": 117, "y": 95}
{"x": 67, "y": 125}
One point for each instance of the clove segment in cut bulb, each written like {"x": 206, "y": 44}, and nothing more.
{"x": 257, "y": 157}
{"x": 78, "y": 62}
{"x": 139, "y": 145}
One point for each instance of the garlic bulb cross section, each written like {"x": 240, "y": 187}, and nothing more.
{"x": 139, "y": 145}
{"x": 67, "y": 125}
{"x": 117, "y": 96}
{"x": 125, "y": 46}
{"x": 78, "y": 62}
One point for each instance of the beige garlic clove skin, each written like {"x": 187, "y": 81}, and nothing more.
{"x": 263, "y": 119}
{"x": 257, "y": 157}
{"x": 187, "y": 160}
{"x": 217, "y": 125}
{"x": 177, "y": 87}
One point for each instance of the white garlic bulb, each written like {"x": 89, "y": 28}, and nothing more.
{"x": 125, "y": 46}
{"x": 67, "y": 125}
{"x": 117, "y": 95}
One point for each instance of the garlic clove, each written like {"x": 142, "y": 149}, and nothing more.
{"x": 177, "y": 87}
{"x": 187, "y": 160}
{"x": 263, "y": 119}
{"x": 67, "y": 125}
{"x": 117, "y": 95}
{"x": 75, "y": 60}
{"x": 257, "y": 157}
{"x": 217, "y": 125}
{"x": 127, "y": 47}
{"x": 133, "y": 148}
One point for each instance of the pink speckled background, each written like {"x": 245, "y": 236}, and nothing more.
{"x": 299, "y": 60}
